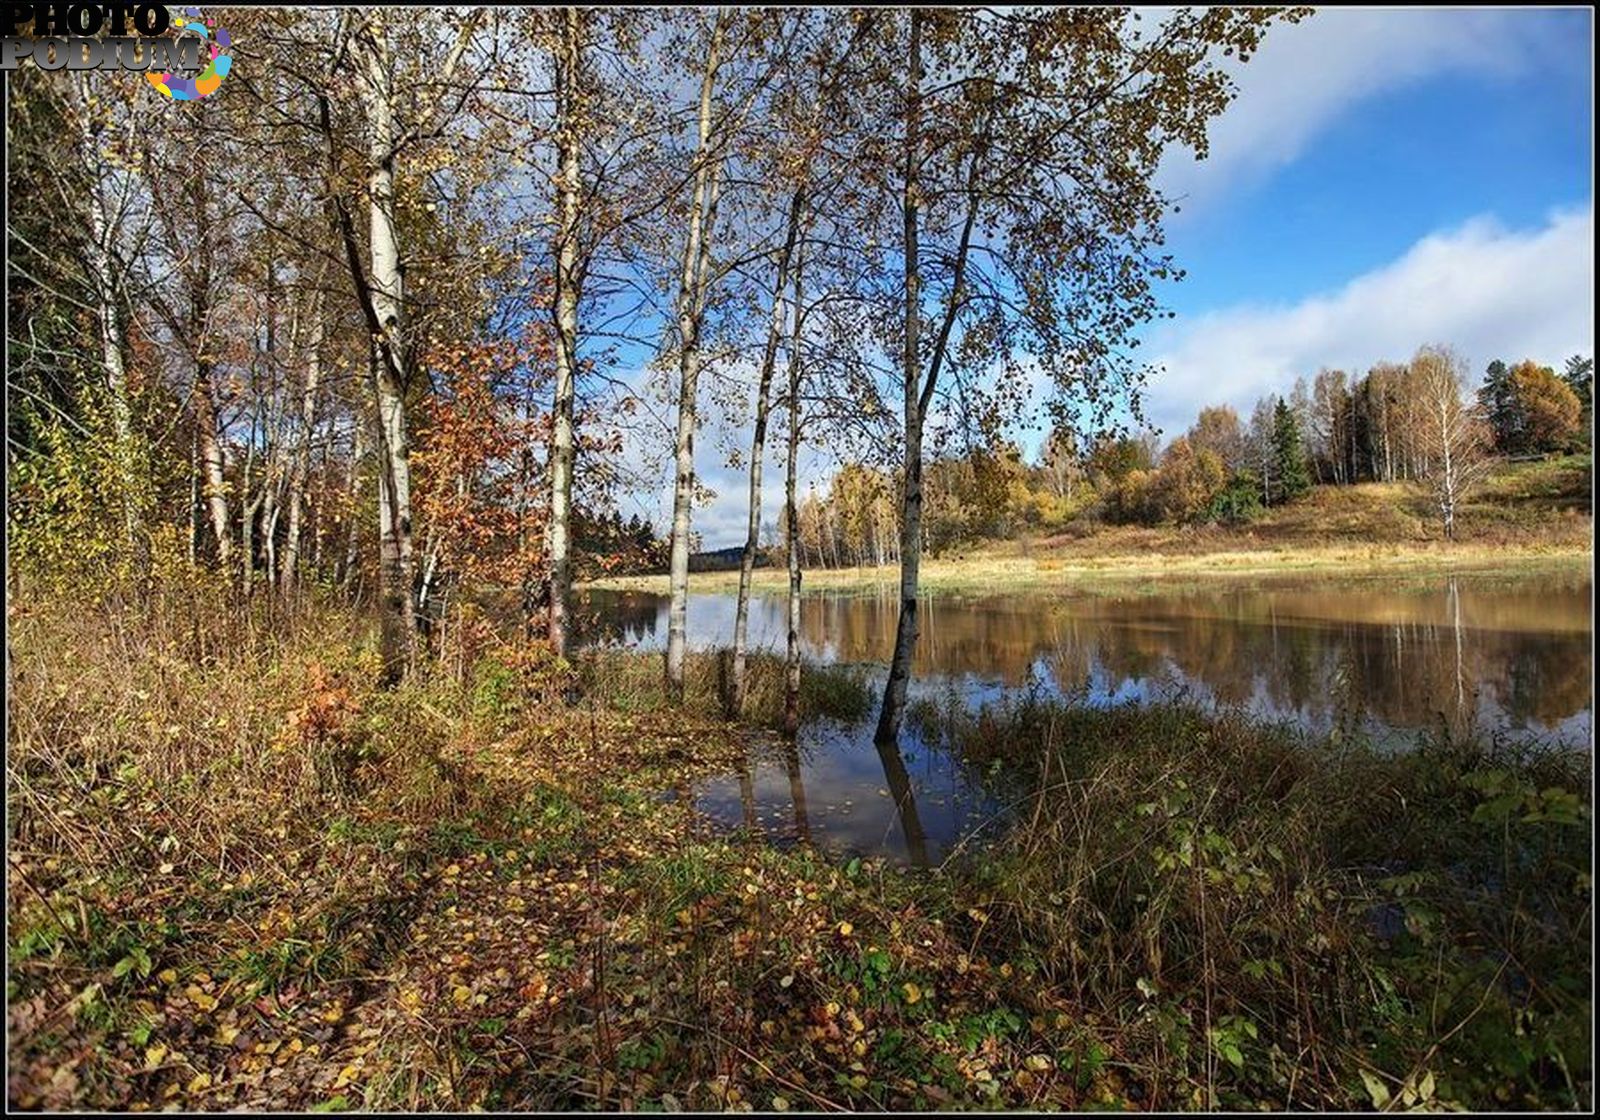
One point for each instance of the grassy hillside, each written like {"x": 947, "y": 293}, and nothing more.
{"x": 1525, "y": 514}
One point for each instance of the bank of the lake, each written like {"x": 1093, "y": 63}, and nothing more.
{"x": 1017, "y": 567}
{"x": 280, "y": 885}
{"x": 1527, "y": 517}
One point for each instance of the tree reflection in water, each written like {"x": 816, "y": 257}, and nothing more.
{"x": 797, "y": 790}
{"x": 905, "y": 803}
{"x": 1375, "y": 658}
{"x": 1501, "y": 655}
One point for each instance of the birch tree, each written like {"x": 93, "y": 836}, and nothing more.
{"x": 1456, "y": 439}
{"x": 811, "y": 94}
{"x": 689, "y": 314}
{"x": 1026, "y": 143}
{"x": 309, "y": 395}
{"x": 380, "y": 290}
{"x": 568, "y": 49}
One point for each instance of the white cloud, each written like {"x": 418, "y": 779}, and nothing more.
{"x": 1488, "y": 291}
{"x": 1307, "y": 75}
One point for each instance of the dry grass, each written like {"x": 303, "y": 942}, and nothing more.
{"x": 1527, "y": 516}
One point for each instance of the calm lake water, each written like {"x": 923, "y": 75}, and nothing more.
{"x": 1388, "y": 659}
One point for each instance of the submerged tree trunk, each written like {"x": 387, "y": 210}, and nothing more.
{"x": 691, "y": 307}
{"x": 905, "y": 637}
{"x": 567, "y": 280}
{"x": 758, "y": 454}
{"x": 797, "y": 791}
{"x": 791, "y": 515}
{"x": 905, "y": 802}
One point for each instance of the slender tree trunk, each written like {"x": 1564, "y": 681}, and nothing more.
{"x": 567, "y": 280}
{"x": 247, "y": 511}
{"x": 1447, "y": 481}
{"x": 352, "y": 533}
{"x": 905, "y": 638}
{"x": 791, "y": 513}
{"x": 113, "y": 364}
{"x": 203, "y": 400}
{"x": 272, "y": 464}
{"x": 194, "y": 497}
{"x": 204, "y": 408}
{"x": 302, "y": 461}
{"x": 691, "y": 303}
{"x": 390, "y": 371}
{"x": 758, "y": 454}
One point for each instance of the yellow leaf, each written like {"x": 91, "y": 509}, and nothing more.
{"x": 154, "y": 1056}
{"x": 168, "y": 976}
{"x": 845, "y": 929}
{"x": 780, "y": 1104}
{"x": 913, "y": 993}
{"x": 461, "y": 994}
{"x": 199, "y": 998}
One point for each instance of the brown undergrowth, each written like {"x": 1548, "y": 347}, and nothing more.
{"x": 242, "y": 875}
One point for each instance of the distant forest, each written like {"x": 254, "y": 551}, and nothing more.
{"x": 1334, "y": 430}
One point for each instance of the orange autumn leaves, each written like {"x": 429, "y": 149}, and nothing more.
{"x": 482, "y": 514}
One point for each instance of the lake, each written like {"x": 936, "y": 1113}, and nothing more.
{"x": 1385, "y": 659}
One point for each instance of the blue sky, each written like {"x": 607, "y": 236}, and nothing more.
{"x": 1387, "y": 178}
{"x": 1408, "y": 162}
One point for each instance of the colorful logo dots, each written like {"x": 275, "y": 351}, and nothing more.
{"x": 217, "y": 39}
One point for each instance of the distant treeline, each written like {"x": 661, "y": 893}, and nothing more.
{"x": 1336, "y": 429}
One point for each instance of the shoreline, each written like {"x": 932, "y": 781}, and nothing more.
{"x": 1150, "y": 571}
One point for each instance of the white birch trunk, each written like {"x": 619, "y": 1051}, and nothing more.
{"x": 563, "y": 445}
{"x": 389, "y": 369}
{"x": 758, "y": 454}
{"x": 691, "y": 305}
{"x": 302, "y": 462}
